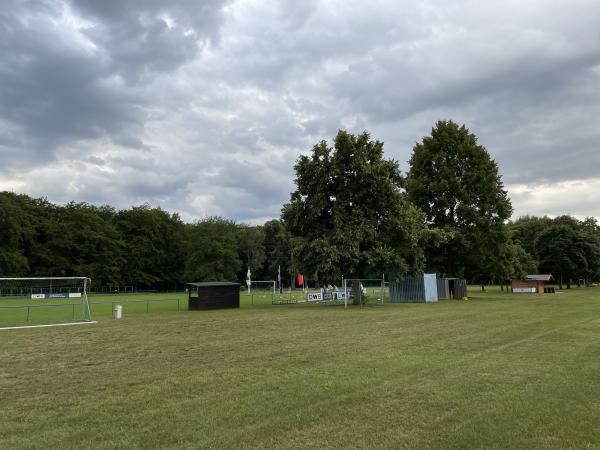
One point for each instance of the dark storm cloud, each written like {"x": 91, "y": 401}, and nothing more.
{"x": 141, "y": 37}
{"x": 202, "y": 107}
{"x": 66, "y": 78}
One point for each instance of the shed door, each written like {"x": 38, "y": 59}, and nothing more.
{"x": 431, "y": 294}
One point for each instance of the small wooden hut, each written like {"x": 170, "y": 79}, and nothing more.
{"x": 213, "y": 295}
{"x": 531, "y": 284}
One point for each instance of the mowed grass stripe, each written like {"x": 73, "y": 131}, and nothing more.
{"x": 500, "y": 371}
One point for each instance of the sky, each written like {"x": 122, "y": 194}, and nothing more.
{"x": 202, "y": 107}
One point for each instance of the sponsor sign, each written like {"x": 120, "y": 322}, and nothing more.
{"x": 339, "y": 295}
{"x": 315, "y": 296}
{"x": 57, "y": 295}
{"x": 524, "y": 290}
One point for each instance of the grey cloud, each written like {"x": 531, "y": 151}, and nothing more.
{"x": 144, "y": 36}
{"x": 203, "y": 107}
{"x": 59, "y": 85}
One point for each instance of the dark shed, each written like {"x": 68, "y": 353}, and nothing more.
{"x": 213, "y": 295}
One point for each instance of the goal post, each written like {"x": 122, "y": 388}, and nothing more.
{"x": 363, "y": 291}
{"x": 262, "y": 291}
{"x": 44, "y": 301}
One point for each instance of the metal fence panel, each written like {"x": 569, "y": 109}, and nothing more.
{"x": 408, "y": 290}
{"x": 430, "y": 284}
{"x": 442, "y": 288}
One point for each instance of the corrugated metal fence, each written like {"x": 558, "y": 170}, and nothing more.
{"x": 418, "y": 289}
{"x": 409, "y": 290}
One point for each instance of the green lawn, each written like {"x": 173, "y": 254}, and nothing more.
{"x": 17, "y": 311}
{"x": 497, "y": 371}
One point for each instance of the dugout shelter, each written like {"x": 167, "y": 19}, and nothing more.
{"x": 213, "y": 295}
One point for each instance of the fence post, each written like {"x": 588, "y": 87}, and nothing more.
{"x": 73, "y": 311}
{"x": 28, "y": 309}
{"x": 147, "y": 305}
{"x": 177, "y": 304}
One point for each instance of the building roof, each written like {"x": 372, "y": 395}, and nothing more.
{"x": 539, "y": 277}
{"x": 212, "y": 284}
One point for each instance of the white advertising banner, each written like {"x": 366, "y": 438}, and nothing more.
{"x": 528, "y": 290}
{"x": 315, "y": 296}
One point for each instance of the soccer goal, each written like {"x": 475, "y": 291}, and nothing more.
{"x": 365, "y": 291}
{"x": 37, "y": 302}
{"x": 262, "y": 292}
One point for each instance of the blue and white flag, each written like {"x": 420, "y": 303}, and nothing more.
{"x": 248, "y": 279}
{"x": 279, "y": 279}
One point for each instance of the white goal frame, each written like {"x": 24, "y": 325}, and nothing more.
{"x": 85, "y": 304}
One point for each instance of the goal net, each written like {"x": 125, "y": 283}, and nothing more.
{"x": 366, "y": 291}
{"x": 262, "y": 292}
{"x": 44, "y": 301}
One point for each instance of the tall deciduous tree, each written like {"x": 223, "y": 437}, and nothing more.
{"x": 561, "y": 250}
{"x": 348, "y": 216}
{"x": 277, "y": 251}
{"x": 252, "y": 253}
{"x": 212, "y": 251}
{"x": 16, "y": 229}
{"x": 526, "y": 229}
{"x": 87, "y": 244}
{"x": 456, "y": 183}
{"x": 154, "y": 242}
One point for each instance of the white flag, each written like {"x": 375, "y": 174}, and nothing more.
{"x": 248, "y": 280}
{"x": 279, "y": 279}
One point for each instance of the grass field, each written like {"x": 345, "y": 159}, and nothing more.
{"x": 497, "y": 371}
{"x": 18, "y": 311}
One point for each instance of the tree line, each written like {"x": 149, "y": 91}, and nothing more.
{"x": 144, "y": 247}
{"x": 353, "y": 214}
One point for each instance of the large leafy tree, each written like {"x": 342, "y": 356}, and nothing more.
{"x": 277, "y": 251}
{"x": 212, "y": 251}
{"x": 86, "y": 242}
{"x": 154, "y": 242}
{"x": 16, "y": 229}
{"x": 566, "y": 253}
{"x": 251, "y": 249}
{"x": 456, "y": 183}
{"x": 348, "y": 216}
{"x": 526, "y": 229}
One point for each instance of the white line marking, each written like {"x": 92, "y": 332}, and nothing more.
{"x": 48, "y": 325}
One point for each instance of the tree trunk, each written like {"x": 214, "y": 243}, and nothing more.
{"x": 560, "y": 283}
{"x": 357, "y": 292}
{"x": 482, "y": 287}
{"x": 568, "y": 283}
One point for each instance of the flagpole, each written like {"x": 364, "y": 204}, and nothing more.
{"x": 279, "y": 279}
{"x": 248, "y": 280}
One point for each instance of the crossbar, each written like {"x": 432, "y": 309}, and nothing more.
{"x": 43, "y": 278}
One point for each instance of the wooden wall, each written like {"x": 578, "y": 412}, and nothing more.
{"x": 215, "y": 297}
{"x": 538, "y": 285}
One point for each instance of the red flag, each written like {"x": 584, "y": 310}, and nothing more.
{"x": 300, "y": 280}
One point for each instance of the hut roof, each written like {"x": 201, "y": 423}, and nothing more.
{"x": 546, "y": 277}
{"x": 212, "y": 283}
